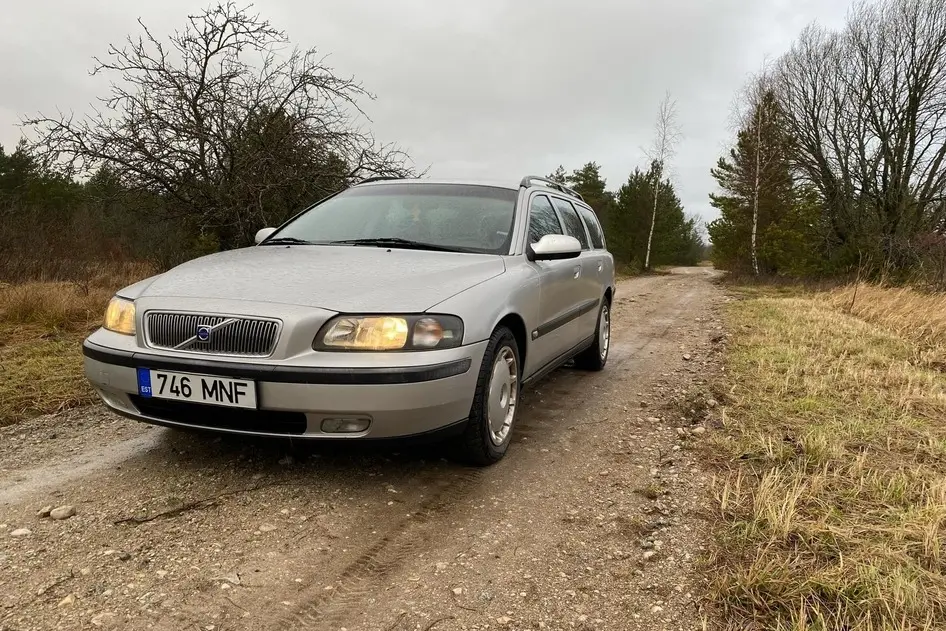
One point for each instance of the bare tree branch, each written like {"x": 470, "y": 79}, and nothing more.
{"x": 224, "y": 121}
{"x": 867, "y": 110}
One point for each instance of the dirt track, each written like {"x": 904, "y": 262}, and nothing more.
{"x": 591, "y": 522}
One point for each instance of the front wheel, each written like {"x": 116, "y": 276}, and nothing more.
{"x": 596, "y": 357}
{"x": 495, "y": 402}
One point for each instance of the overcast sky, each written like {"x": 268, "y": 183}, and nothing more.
{"x": 479, "y": 88}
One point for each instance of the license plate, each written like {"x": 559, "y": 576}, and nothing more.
{"x": 181, "y": 386}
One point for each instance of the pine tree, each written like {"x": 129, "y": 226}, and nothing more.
{"x": 765, "y": 222}
{"x": 676, "y": 239}
{"x": 588, "y": 182}
{"x": 558, "y": 175}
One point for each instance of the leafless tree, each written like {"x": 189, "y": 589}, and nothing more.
{"x": 666, "y": 136}
{"x": 866, "y": 108}
{"x": 222, "y": 120}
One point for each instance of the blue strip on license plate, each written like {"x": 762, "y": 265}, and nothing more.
{"x": 144, "y": 382}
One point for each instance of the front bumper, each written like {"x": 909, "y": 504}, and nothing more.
{"x": 431, "y": 395}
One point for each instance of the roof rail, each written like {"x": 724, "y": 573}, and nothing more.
{"x": 379, "y": 178}
{"x": 527, "y": 182}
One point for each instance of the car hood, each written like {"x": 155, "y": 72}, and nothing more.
{"x": 337, "y": 278}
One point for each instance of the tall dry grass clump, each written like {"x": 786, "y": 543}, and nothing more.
{"x": 67, "y": 305}
{"x": 52, "y": 305}
{"x": 911, "y": 314}
{"x": 833, "y": 489}
{"x": 42, "y": 325}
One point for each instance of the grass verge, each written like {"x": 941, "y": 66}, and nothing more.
{"x": 833, "y": 458}
{"x": 42, "y": 325}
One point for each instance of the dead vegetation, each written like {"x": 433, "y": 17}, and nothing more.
{"x": 910, "y": 314}
{"x": 42, "y": 325}
{"x": 53, "y": 306}
{"x": 833, "y": 492}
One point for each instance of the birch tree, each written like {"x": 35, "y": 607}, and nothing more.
{"x": 757, "y": 112}
{"x": 762, "y": 216}
{"x": 757, "y": 90}
{"x": 666, "y": 137}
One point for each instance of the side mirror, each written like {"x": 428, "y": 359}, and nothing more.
{"x": 263, "y": 234}
{"x": 554, "y": 247}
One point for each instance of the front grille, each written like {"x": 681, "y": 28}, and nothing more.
{"x": 229, "y": 335}
{"x": 214, "y": 417}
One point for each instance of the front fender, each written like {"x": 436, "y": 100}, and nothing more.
{"x": 482, "y": 306}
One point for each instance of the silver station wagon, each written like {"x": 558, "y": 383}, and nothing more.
{"x": 398, "y": 308}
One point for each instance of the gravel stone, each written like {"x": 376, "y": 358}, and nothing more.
{"x": 62, "y": 512}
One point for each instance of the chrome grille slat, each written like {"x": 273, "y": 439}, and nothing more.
{"x": 243, "y": 336}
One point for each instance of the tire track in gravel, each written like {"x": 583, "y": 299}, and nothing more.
{"x": 356, "y": 582}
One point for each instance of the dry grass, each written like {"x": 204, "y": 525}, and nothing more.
{"x": 42, "y": 325}
{"x": 834, "y": 482}
{"x": 52, "y": 306}
{"x": 913, "y": 315}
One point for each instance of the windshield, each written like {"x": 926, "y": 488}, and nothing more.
{"x": 463, "y": 218}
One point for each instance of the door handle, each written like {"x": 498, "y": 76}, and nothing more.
{"x": 577, "y": 271}
{"x": 600, "y": 267}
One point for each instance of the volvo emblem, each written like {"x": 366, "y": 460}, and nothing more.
{"x": 203, "y": 332}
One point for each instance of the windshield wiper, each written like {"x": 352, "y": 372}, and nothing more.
{"x": 287, "y": 241}
{"x": 397, "y": 242}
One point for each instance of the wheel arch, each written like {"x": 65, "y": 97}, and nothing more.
{"x": 515, "y": 323}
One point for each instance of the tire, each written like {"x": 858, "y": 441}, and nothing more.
{"x": 482, "y": 445}
{"x": 595, "y": 357}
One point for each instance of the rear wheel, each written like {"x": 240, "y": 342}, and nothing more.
{"x": 597, "y": 356}
{"x": 495, "y": 403}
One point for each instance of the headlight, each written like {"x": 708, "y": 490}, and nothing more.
{"x": 120, "y": 316}
{"x": 390, "y": 333}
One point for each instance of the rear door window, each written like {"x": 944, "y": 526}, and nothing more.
{"x": 573, "y": 225}
{"x": 594, "y": 228}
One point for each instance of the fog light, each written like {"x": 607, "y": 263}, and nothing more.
{"x": 345, "y": 425}
{"x": 115, "y": 400}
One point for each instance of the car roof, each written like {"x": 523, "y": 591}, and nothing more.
{"x": 495, "y": 183}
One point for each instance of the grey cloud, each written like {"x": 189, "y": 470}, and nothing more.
{"x": 493, "y": 88}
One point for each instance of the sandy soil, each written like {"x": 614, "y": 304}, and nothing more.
{"x": 594, "y": 520}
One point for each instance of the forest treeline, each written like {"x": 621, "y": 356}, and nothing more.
{"x": 58, "y": 228}
{"x": 626, "y": 215}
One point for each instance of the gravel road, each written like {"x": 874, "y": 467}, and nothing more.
{"x": 594, "y": 520}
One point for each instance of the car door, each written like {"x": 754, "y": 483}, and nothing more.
{"x": 587, "y": 297}
{"x": 603, "y": 261}
{"x": 555, "y": 329}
